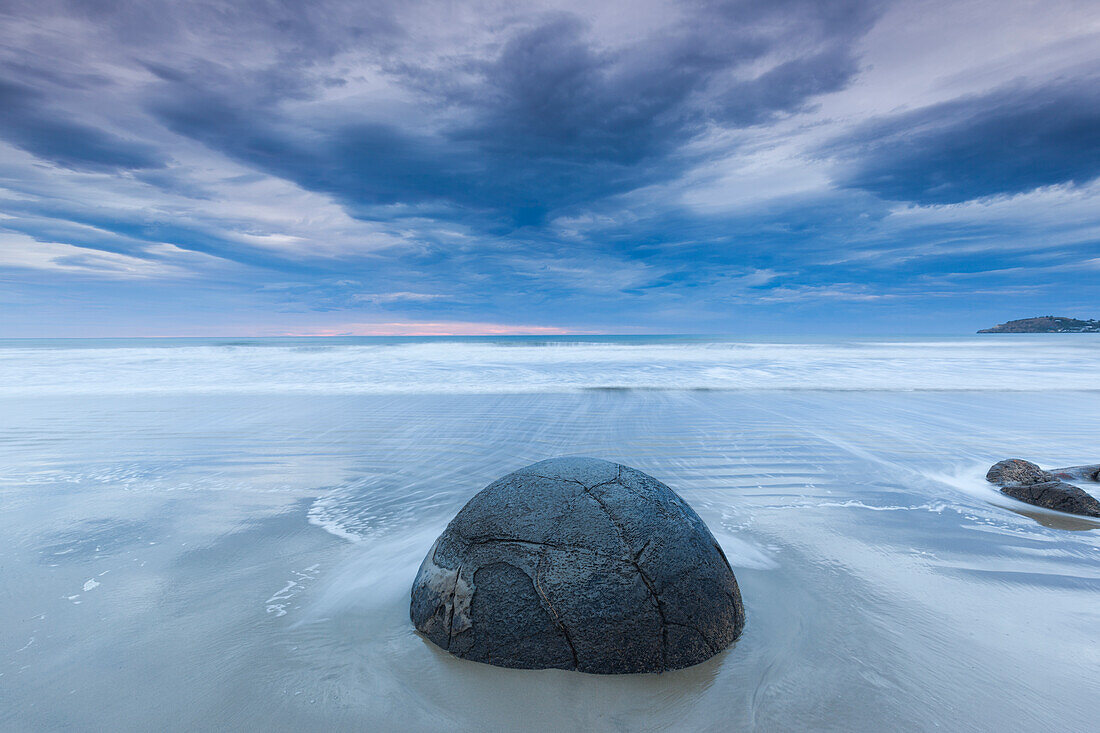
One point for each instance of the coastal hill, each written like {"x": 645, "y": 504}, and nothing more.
{"x": 1046, "y": 324}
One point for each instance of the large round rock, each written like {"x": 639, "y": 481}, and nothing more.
{"x": 578, "y": 563}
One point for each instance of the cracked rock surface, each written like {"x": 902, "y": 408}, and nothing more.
{"x": 1027, "y": 482}
{"x": 578, "y": 563}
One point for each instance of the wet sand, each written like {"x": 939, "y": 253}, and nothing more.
{"x": 243, "y": 561}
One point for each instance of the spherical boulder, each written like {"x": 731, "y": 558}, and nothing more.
{"x": 578, "y": 563}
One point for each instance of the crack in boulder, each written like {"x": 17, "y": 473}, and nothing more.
{"x": 451, "y": 608}
{"x": 660, "y": 613}
{"x": 533, "y": 543}
{"x": 634, "y": 561}
{"x": 544, "y": 579}
{"x": 553, "y": 612}
{"x": 698, "y": 631}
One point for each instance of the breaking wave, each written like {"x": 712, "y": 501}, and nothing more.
{"x": 510, "y": 365}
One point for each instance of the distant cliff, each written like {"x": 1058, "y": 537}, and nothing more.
{"x": 1046, "y": 324}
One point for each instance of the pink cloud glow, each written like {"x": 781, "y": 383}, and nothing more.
{"x": 436, "y": 328}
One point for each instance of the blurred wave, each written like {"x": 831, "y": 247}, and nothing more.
{"x": 509, "y": 365}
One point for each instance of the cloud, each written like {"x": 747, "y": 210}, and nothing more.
{"x": 838, "y": 291}
{"x": 398, "y": 297}
{"x": 1010, "y": 140}
{"x": 436, "y": 328}
{"x": 28, "y": 122}
{"x": 662, "y": 164}
{"x": 21, "y": 252}
{"x": 790, "y": 86}
{"x": 545, "y": 116}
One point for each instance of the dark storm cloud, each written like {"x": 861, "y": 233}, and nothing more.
{"x": 293, "y": 30}
{"x": 494, "y": 161}
{"x": 28, "y": 122}
{"x": 790, "y": 86}
{"x": 1008, "y": 141}
{"x": 553, "y": 119}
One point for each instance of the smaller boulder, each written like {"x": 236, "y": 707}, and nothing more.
{"x": 1080, "y": 473}
{"x": 1016, "y": 471}
{"x": 1056, "y": 495}
{"x": 1025, "y": 481}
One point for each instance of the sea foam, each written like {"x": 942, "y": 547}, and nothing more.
{"x": 503, "y": 365}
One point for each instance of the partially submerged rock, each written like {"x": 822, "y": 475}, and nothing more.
{"x": 1079, "y": 473}
{"x": 1016, "y": 471}
{"x": 578, "y": 563}
{"x": 1055, "y": 495}
{"x": 1025, "y": 481}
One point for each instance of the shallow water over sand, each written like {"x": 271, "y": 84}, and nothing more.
{"x": 178, "y": 559}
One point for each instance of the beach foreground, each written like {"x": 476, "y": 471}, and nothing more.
{"x": 232, "y": 545}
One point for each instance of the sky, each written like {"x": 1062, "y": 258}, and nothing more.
{"x": 350, "y": 167}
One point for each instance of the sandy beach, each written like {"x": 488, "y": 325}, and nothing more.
{"x": 185, "y": 555}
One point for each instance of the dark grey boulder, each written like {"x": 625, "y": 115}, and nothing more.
{"x": 1055, "y": 495}
{"x": 1016, "y": 471}
{"x": 578, "y": 563}
{"x": 1025, "y": 481}
{"x": 1079, "y": 473}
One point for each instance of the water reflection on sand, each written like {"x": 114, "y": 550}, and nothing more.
{"x": 221, "y": 562}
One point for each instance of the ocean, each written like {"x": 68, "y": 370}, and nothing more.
{"x": 221, "y": 534}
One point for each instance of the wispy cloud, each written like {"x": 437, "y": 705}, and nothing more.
{"x": 668, "y": 165}
{"x": 158, "y": 261}
{"x": 398, "y": 297}
{"x": 437, "y": 328}
{"x": 1013, "y": 139}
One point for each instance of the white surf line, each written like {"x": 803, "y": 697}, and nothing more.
{"x": 935, "y": 508}
{"x": 867, "y": 455}
{"x": 277, "y": 603}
